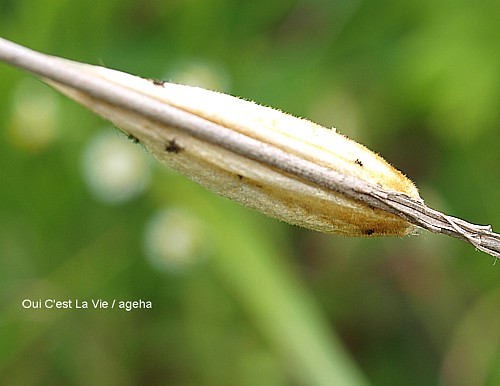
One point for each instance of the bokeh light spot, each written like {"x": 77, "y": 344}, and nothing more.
{"x": 115, "y": 169}
{"x": 175, "y": 240}
{"x": 32, "y": 125}
{"x": 200, "y": 73}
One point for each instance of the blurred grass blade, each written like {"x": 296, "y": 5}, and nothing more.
{"x": 273, "y": 296}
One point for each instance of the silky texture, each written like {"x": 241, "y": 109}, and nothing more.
{"x": 287, "y": 167}
{"x": 249, "y": 182}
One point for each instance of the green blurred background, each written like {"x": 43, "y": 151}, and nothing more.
{"x": 238, "y": 298}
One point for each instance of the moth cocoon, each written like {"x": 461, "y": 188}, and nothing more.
{"x": 253, "y": 183}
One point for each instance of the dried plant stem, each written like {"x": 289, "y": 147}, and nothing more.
{"x": 414, "y": 211}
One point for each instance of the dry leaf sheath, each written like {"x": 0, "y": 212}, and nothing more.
{"x": 286, "y": 167}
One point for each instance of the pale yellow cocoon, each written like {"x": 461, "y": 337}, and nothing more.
{"x": 249, "y": 182}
